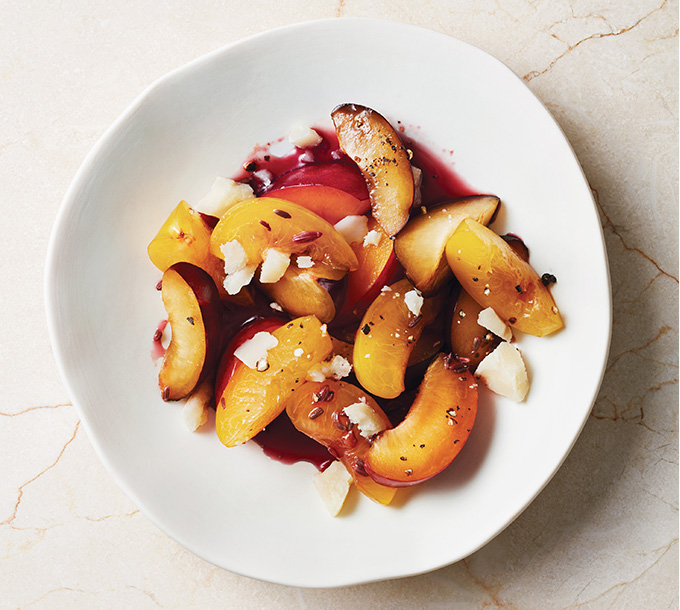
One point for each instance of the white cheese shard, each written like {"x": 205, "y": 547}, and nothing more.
{"x": 235, "y": 258}
{"x": 490, "y": 320}
{"x": 238, "y": 272}
{"x": 365, "y": 418}
{"x": 195, "y": 409}
{"x": 337, "y": 368}
{"x": 316, "y": 374}
{"x": 332, "y": 486}
{"x": 303, "y": 136}
{"x": 372, "y": 238}
{"x": 255, "y": 349}
{"x": 414, "y": 301}
{"x": 275, "y": 306}
{"x": 304, "y": 262}
{"x": 352, "y": 228}
{"x": 504, "y": 373}
{"x": 223, "y": 194}
{"x": 274, "y": 265}
{"x": 235, "y": 281}
{"x": 298, "y": 352}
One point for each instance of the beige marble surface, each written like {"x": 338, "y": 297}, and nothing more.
{"x": 603, "y": 534}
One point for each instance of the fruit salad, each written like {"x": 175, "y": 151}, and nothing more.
{"x": 344, "y": 303}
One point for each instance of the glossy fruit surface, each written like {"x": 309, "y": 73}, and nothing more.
{"x": 434, "y": 431}
{"x": 495, "y": 276}
{"x": 193, "y": 305}
{"x": 185, "y": 237}
{"x": 317, "y": 411}
{"x": 341, "y": 175}
{"x": 253, "y": 398}
{"x": 420, "y": 245}
{"x": 330, "y": 203}
{"x": 469, "y": 339}
{"x": 229, "y": 361}
{"x": 267, "y": 222}
{"x": 301, "y": 292}
{"x": 387, "y": 334}
{"x": 368, "y": 138}
{"x": 377, "y": 267}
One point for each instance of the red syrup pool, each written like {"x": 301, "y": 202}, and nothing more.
{"x": 282, "y": 442}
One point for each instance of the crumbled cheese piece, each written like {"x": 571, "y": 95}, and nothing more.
{"x": 324, "y": 330}
{"x": 490, "y": 320}
{"x": 414, "y": 301}
{"x": 352, "y": 228}
{"x": 275, "y": 306}
{"x": 274, "y": 265}
{"x": 255, "y": 349}
{"x": 365, "y": 418}
{"x": 235, "y": 257}
{"x": 305, "y": 262}
{"x": 316, "y": 374}
{"x": 237, "y": 280}
{"x": 298, "y": 352}
{"x": 340, "y": 367}
{"x": 385, "y": 289}
{"x": 303, "y": 136}
{"x": 337, "y": 368}
{"x": 504, "y": 373}
{"x": 223, "y": 194}
{"x": 196, "y": 408}
{"x": 332, "y": 486}
{"x": 372, "y": 238}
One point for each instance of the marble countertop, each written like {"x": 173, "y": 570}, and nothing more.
{"x": 602, "y": 534}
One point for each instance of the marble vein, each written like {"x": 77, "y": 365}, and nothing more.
{"x": 570, "y": 47}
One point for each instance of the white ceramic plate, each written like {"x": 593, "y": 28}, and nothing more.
{"x": 235, "y": 507}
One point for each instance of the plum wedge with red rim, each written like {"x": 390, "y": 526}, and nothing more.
{"x": 434, "y": 431}
{"x": 194, "y": 313}
{"x": 367, "y": 137}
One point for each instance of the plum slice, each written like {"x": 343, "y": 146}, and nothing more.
{"x": 495, "y": 276}
{"x": 377, "y": 268}
{"x": 264, "y": 223}
{"x": 304, "y": 292}
{"x": 468, "y": 338}
{"x": 434, "y": 431}
{"x": 368, "y": 139}
{"x": 331, "y": 203}
{"x": 387, "y": 335}
{"x": 420, "y": 246}
{"x": 253, "y": 397}
{"x": 185, "y": 237}
{"x": 194, "y": 311}
{"x": 317, "y": 410}
{"x": 341, "y": 175}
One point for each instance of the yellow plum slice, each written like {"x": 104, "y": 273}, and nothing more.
{"x": 369, "y": 139}
{"x": 254, "y": 397}
{"x": 194, "y": 312}
{"x": 264, "y": 223}
{"x": 185, "y": 237}
{"x": 387, "y": 335}
{"x": 496, "y": 276}
{"x": 434, "y": 431}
